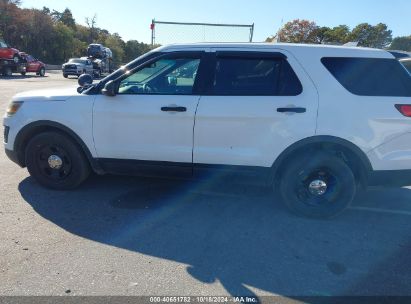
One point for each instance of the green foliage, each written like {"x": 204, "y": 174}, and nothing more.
{"x": 305, "y": 31}
{"x": 66, "y": 18}
{"x": 116, "y": 45}
{"x": 134, "y": 49}
{"x": 337, "y": 35}
{"x": 401, "y": 44}
{"x": 54, "y": 36}
{"x": 377, "y": 36}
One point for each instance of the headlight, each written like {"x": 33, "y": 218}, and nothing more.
{"x": 13, "y": 107}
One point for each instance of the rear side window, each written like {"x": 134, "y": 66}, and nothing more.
{"x": 370, "y": 76}
{"x": 255, "y": 76}
{"x": 407, "y": 65}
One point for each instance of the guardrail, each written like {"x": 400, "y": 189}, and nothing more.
{"x": 53, "y": 66}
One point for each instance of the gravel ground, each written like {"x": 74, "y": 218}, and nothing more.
{"x": 134, "y": 236}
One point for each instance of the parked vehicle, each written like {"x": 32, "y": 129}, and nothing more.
{"x": 33, "y": 65}
{"x": 100, "y": 66}
{"x": 313, "y": 122}
{"x": 101, "y": 57}
{"x": 7, "y": 52}
{"x": 77, "y": 66}
{"x": 96, "y": 50}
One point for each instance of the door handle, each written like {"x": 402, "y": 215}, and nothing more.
{"x": 174, "y": 109}
{"x": 292, "y": 110}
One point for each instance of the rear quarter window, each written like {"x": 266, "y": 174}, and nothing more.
{"x": 370, "y": 76}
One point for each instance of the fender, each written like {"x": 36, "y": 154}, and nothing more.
{"x": 33, "y": 128}
{"x": 321, "y": 140}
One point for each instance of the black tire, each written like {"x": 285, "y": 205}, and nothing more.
{"x": 7, "y": 72}
{"x": 74, "y": 168}
{"x": 16, "y": 58}
{"x": 23, "y": 73}
{"x": 298, "y": 191}
{"x": 42, "y": 72}
{"x": 65, "y": 75}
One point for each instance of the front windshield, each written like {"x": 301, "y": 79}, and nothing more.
{"x": 125, "y": 68}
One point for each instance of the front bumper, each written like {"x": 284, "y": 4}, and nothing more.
{"x": 71, "y": 72}
{"x": 12, "y": 155}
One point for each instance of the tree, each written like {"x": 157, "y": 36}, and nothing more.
{"x": 116, "y": 45}
{"x": 337, "y": 35}
{"x": 54, "y": 36}
{"x": 134, "y": 49}
{"x": 401, "y": 44}
{"x": 299, "y": 31}
{"x": 322, "y": 34}
{"x": 67, "y": 19}
{"x": 9, "y": 12}
{"x": 62, "y": 43}
{"x": 367, "y": 35}
{"x": 91, "y": 23}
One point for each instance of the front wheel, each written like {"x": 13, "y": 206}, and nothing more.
{"x": 97, "y": 74}
{"x": 55, "y": 161}
{"x": 319, "y": 185}
{"x": 16, "y": 58}
{"x": 65, "y": 75}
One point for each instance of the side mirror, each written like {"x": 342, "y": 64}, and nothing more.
{"x": 110, "y": 89}
{"x": 85, "y": 80}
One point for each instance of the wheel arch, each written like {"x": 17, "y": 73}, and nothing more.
{"x": 349, "y": 152}
{"x": 34, "y": 128}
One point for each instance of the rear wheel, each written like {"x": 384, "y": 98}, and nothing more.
{"x": 23, "y": 73}
{"x": 56, "y": 162}
{"x": 65, "y": 75}
{"x": 42, "y": 72}
{"x": 318, "y": 186}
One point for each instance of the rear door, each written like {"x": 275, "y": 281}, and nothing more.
{"x": 258, "y": 103}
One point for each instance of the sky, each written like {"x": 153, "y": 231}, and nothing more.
{"x": 132, "y": 18}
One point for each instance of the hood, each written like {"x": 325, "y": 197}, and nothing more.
{"x": 15, "y": 50}
{"x": 48, "y": 94}
{"x": 72, "y": 63}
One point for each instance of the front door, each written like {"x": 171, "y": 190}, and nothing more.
{"x": 151, "y": 119}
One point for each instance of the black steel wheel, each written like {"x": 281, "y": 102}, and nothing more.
{"x": 318, "y": 186}
{"x": 56, "y": 162}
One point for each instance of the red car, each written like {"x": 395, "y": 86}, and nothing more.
{"x": 7, "y": 52}
{"x": 33, "y": 65}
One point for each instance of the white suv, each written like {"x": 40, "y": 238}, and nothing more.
{"x": 315, "y": 122}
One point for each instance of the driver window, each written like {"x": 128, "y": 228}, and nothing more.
{"x": 163, "y": 77}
